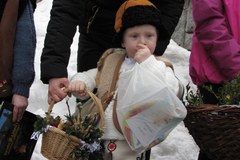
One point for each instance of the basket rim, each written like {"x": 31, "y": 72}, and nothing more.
{"x": 212, "y": 107}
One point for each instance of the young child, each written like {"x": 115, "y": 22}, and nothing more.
{"x": 138, "y": 26}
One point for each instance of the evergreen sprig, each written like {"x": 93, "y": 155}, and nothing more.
{"x": 193, "y": 99}
{"x": 228, "y": 94}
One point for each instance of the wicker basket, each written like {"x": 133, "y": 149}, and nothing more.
{"x": 216, "y": 130}
{"x": 57, "y": 145}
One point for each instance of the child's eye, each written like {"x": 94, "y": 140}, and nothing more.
{"x": 149, "y": 35}
{"x": 134, "y": 36}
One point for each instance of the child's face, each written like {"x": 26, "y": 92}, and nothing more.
{"x": 143, "y": 34}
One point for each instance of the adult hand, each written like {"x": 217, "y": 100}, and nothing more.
{"x": 55, "y": 89}
{"x": 20, "y": 104}
{"x": 142, "y": 53}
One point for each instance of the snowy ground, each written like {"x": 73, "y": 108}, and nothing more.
{"x": 179, "y": 145}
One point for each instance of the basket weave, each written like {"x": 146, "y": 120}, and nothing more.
{"x": 216, "y": 130}
{"x": 57, "y": 145}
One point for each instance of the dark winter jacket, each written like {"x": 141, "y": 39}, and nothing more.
{"x": 22, "y": 5}
{"x": 95, "y": 19}
{"x": 22, "y": 70}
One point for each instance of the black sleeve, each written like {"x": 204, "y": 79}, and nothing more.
{"x": 171, "y": 12}
{"x": 60, "y": 32}
{"x": 34, "y": 3}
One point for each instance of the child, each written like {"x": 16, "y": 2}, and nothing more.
{"x": 138, "y": 26}
{"x": 94, "y": 20}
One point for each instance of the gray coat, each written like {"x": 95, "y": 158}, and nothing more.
{"x": 184, "y": 30}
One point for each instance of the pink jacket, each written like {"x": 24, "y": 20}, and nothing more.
{"x": 215, "y": 54}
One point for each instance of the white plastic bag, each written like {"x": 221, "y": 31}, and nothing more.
{"x": 147, "y": 109}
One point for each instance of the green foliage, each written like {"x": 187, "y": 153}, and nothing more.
{"x": 228, "y": 94}
{"x": 83, "y": 127}
{"x": 194, "y": 99}
{"x": 48, "y": 120}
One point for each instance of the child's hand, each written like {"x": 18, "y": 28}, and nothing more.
{"x": 142, "y": 53}
{"x": 77, "y": 87}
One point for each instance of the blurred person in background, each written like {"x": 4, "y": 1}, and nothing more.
{"x": 17, "y": 51}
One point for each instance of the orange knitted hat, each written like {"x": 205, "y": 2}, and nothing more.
{"x": 124, "y": 7}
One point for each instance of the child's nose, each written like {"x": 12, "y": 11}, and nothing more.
{"x": 142, "y": 41}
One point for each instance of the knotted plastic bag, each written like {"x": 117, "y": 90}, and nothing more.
{"x": 147, "y": 109}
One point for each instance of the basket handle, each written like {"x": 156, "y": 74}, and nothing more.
{"x": 95, "y": 99}
{"x": 99, "y": 106}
